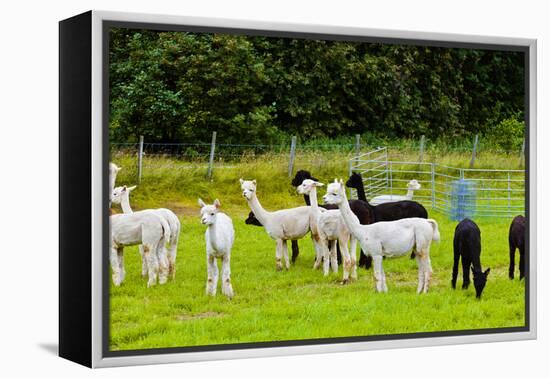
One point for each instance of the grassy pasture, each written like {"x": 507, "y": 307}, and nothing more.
{"x": 299, "y": 303}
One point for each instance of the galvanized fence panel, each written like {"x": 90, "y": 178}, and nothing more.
{"x": 498, "y": 192}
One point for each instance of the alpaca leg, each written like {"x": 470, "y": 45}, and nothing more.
{"x": 512, "y": 262}
{"x": 421, "y": 275}
{"x": 346, "y": 260}
{"x": 295, "y": 250}
{"x": 172, "y": 253}
{"x": 120, "y": 256}
{"x": 150, "y": 254}
{"x": 334, "y": 255}
{"x": 455, "y": 267}
{"x": 465, "y": 273}
{"x": 378, "y": 273}
{"x": 144, "y": 268}
{"x": 285, "y": 254}
{"x": 279, "y": 254}
{"x": 318, "y": 251}
{"x": 212, "y": 280}
{"x": 384, "y": 286}
{"x": 115, "y": 266}
{"x": 162, "y": 256}
{"x": 521, "y": 263}
{"x": 427, "y": 269}
{"x": 353, "y": 255}
{"x": 227, "y": 288}
{"x": 326, "y": 257}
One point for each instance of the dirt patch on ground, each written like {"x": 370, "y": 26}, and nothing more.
{"x": 202, "y": 315}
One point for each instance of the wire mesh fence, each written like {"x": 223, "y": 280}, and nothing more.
{"x": 493, "y": 192}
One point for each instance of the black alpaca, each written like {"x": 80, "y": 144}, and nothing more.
{"x": 516, "y": 239}
{"x": 467, "y": 244}
{"x": 253, "y": 221}
{"x": 385, "y": 211}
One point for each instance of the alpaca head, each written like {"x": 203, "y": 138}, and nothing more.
{"x": 413, "y": 185}
{"x": 335, "y": 193}
{"x": 208, "y": 212}
{"x": 252, "y": 220}
{"x": 355, "y": 181}
{"x": 307, "y": 186}
{"x": 248, "y": 188}
{"x": 480, "y": 279}
{"x": 300, "y": 176}
{"x": 119, "y": 192}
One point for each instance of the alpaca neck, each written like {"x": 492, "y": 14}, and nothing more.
{"x": 313, "y": 199}
{"x": 125, "y": 204}
{"x": 410, "y": 193}
{"x": 361, "y": 192}
{"x": 259, "y": 212}
{"x": 476, "y": 264}
{"x": 350, "y": 218}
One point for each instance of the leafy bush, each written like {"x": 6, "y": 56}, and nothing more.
{"x": 508, "y": 134}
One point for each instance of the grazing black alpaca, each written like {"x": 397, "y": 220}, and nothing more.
{"x": 389, "y": 211}
{"x": 467, "y": 244}
{"x": 359, "y": 208}
{"x": 252, "y": 220}
{"x": 516, "y": 239}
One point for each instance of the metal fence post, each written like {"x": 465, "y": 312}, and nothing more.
{"x": 212, "y": 150}
{"x": 422, "y": 139}
{"x": 474, "y": 152}
{"x": 292, "y": 156}
{"x": 140, "y": 158}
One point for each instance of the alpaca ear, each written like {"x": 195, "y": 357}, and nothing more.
{"x": 241, "y": 181}
{"x": 132, "y": 188}
{"x": 217, "y": 203}
{"x": 117, "y": 169}
{"x": 124, "y": 188}
{"x": 254, "y": 181}
{"x": 319, "y": 184}
{"x": 486, "y": 273}
{"x": 201, "y": 203}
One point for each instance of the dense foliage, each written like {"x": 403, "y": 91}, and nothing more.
{"x": 174, "y": 86}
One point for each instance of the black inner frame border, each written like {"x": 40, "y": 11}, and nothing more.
{"x": 107, "y": 25}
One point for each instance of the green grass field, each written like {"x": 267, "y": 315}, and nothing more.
{"x": 299, "y": 303}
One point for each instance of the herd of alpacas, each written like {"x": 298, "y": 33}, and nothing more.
{"x": 393, "y": 227}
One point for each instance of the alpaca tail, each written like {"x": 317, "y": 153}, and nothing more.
{"x": 165, "y": 229}
{"x": 436, "y": 236}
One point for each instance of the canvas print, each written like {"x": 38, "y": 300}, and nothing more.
{"x": 298, "y": 188}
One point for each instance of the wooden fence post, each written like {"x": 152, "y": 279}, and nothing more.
{"x": 212, "y": 150}
{"x": 140, "y": 158}
{"x": 292, "y": 156}
{"x": 522, "y": 154}
{"x": 422, "y": 140}
{"x": 474, "y": 152}
{"x": 357, "y": 147}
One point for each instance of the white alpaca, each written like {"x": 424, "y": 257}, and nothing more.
{"x": 331, "y": 227}
{"x": 113, "y": 171}
{"x": 219, "y": 237}
{"x": 281, "y": 225}
{"x": 121, "y": 196}
{"x": 392, "y": 239}
{"x": 142, "y": 227}
{"x": 411, "y": 187}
